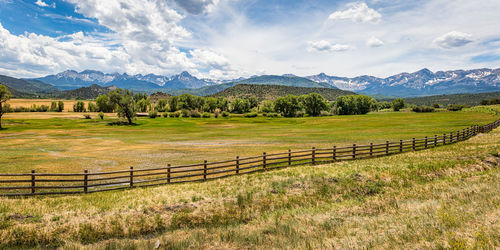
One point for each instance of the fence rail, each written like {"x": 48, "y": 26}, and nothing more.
{"x": 28, "y": 184}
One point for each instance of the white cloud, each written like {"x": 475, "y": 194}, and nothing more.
{"x": 44, "y": 4}
{"x": 326, "y": 46}
{"x": 357, "y": 12}
{"x": 210, "y": 59}
{"x": 453, "y": 39}
{"x": 374, "y": 42}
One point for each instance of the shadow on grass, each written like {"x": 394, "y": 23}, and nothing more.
{"x": 121, "y": 123}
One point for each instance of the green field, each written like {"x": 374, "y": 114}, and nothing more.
{"x": 75, "y": 144}
{"x": 445, "y": 197}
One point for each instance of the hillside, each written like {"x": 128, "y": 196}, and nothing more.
{"x": 84, "y": 93}
{"x": 468, "y": 99}
{"x": 272, "y": 92}
{"x": 26, "y": 86}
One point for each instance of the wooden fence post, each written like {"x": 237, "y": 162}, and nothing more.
{"x": 354, "y": 151}
{"x": 289, "y": 157}
{"x": 426, "y": 141}
{"x": 400, "y": 145}
{"x": 334, "y": 153}
{"x": 387, "y": 147}
{"x": 264, "y": 160}
{"x": 313, "y": 157}
{"x": 413, "y": 144}
{"x": 237, "y": 164}
{"x": 32, "y": 181}
{"x": 168, "y": 173}
{"x": 435, "y": 140}
{"x": 204, "y": 170}
{"x": 85, "y": 180}
{"x": 444, "y": 139}
{"x": 371, "y": 149}
{"x": 131, "y": 176}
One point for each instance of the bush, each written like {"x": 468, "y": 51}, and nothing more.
{"x": 185, "y": 113}
{"x": 216, "y": 113}
{"x": 398, "y": 104}
{"x": 456, "y": 107}
{"x": 225, "y": 114}
{"x": 165, "y": 114}
{"x": 79, "y": 106}
{"x": 300, "y": 114}
{"x": 195, "y": 114}
{"x": 153, "y": 114}
{"x": 87, "y": 116}
{"x": 206, "y": 115}
{"x": 325, "y": 113}
{"x": 271, "y": 114}
{"x": 176, "y": 114}
{"x": 436, "y": 106}
{"x": 92, "y": 107}
{"x": 101, "y": 115}
{"x": 422, "y": 109}
{"x": 251, "y": 115}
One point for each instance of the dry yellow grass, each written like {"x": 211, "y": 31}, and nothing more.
{"x": 68, "y": 104}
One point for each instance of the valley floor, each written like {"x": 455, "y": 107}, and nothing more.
{"x": 445, "y": 197}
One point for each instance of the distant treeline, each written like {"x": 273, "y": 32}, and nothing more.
{"x": 445, "y": 100}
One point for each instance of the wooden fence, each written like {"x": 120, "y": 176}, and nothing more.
{"x": 26, "y": 184}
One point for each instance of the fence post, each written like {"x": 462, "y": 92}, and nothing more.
{"x": 131, "y": 176}
{"x": 444, "y": 139}
{"x": 313, "y": 158}
{"x": 354, "y": 151}
{"x": 387, "y": 147}
{"x": 334, "y": 153}
{"x": 32, "y": 181}
{"x": 400, "y": 145}
{"x": 426, "y": 141}
{"x": 371, "y": 148}
{"x": 237, "y": 164}
{"x": 413, "y": 144}
{"x": 85, "y": 180}
{"x": 264, "y": 160}
{"x": 168, "y": 173}
{"x": 435, "y": 140}
{"x": 289, "y": 157}
{"x": 204, "y": 170}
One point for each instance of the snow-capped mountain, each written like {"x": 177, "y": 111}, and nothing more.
{"x": 71, "y": 79}
{"x": 422, "y": 82}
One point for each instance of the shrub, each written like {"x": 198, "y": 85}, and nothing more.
{"x": 60, "y": 106}
{"x": 422, "y": 109}
{"x": 325, "y": 113}
{"x": 251, "y": 115}
{"x": 216, "y": 113}
{"x": 272, "y": 114}
{"x": 79, "y": 106}
{"x": 206, "y": 115}
{"x": 195, "y": 114}
{"x": 153, "y": 114}
{"x": 53, "y": 107}
{"x": 435, "y": 105}
{"x": 101, "y": 115}
{"x": 92, "y": 107}
{"x": 398, "y": 104}
{"x": 185, "y": 113}
{"x": 300, "y": 114}
{"x": 176, "y": 114}
{"x": 87, "y": 116}
{"x": 456, "y": 107}
{"x": 225, "y": 114}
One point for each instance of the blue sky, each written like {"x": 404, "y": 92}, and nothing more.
{"x": 227, "y": 39}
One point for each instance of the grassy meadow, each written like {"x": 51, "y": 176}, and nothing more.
{"x": 66, "y": 142}
{"x": 26, "y": 103}
{"x": 445, "y": 197}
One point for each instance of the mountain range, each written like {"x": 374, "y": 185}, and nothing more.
{"x": 421, "y": 83}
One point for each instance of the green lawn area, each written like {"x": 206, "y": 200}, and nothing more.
{"x": 58, "y": 144}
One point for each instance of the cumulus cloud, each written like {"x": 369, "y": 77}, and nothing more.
{"x": 44, "y": 4}
{"x": 357, "y": 12}
{"x": 453, "y": 39}
{"x": 210, "y": 59}
{"x": 196, "y": 7}
{"x": 374, "y": 42}
{"x": 326, "y": 46}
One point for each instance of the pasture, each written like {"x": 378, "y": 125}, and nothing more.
{"x": 445, "y": 197}
{"x": 66, "y": 142}
{"x": 26, "y": 103}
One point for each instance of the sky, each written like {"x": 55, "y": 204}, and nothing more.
{"x": 227, "y": 39}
